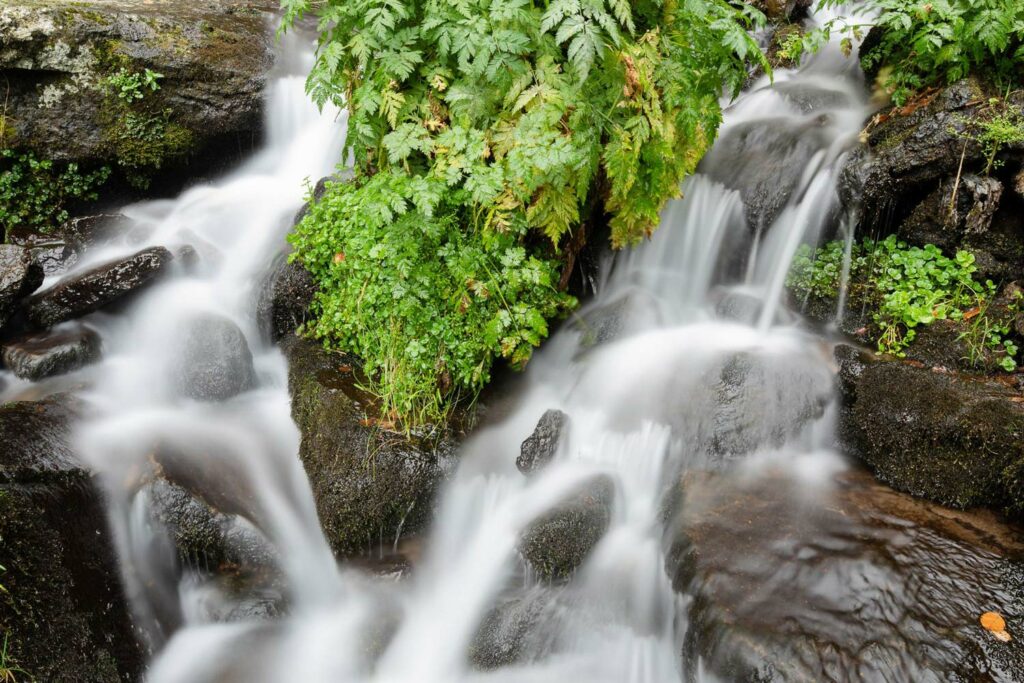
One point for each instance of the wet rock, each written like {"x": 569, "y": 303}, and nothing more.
{"x": 54, "y": 353}
{"x": 204, "y": 536}
{"x": 97, "y": 288}
{"x": 370, "y": 485}
{"x": 51, "y": 252}
{"x": 19, "y": 277}
{"x": 556, "y": 544}
{"x": 284, "y": 300}
{"x": 214, "y": 362}
{"x": 509, "y": 630}
{"x": 214, "y": 57}
{"x": 907, "y": 156}
{"x": 63, "y": 608}
{"x": 540, "y": 447}
{"x": 765, "y": 161}
{"x": 840, "y": 580}
{"x": 952, "y": 438}
{"x": 776, "y": 10}
{"x": 85, "y": 232}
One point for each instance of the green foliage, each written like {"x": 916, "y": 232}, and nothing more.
{"x": 930, "y": 42}
{"x": 37, "y": 192}
{"x": 426, "y": 304}
{"x": 993, "y": 129}
{"x": 131, "y": 86}
{"x": 497, "y": 128}
{"x": 10, "y": 672}
{"x": 908, "y": 287}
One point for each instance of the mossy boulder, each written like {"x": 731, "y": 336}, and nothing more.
{"x": 370, "y": 485}
{"x": 62, "y": 608}
{"x": 56, "y": 58}
{"x": 953, "y": 438}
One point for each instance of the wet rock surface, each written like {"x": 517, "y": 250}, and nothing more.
{"x": 370, "y": 485}
{"x": 556, "y": 544}
{"x": 540, "y": 447}
{"x": 54, "y": 353}
{"x": 19, "y": 277}
{"x": 948, "y": 437}
{"x": 63, "y": 608}
{"x": 213, "y": 361}
{"x": 97, "y": 288}
{"x": 214, "y": 57}
{"x": 509, "y": 631}
{"x": 284, "y": 300}
{"x": 841, "y": 581}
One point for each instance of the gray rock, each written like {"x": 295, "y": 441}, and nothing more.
{"x": 53, "y": 254}
{"x": 214, "y": 362}
{"x": 63, "y": 608}
{"x": 509, "y": 631}
{"x": 284, "y": 299}
{"x": 19, "y": 277}
{"x": 56, "y": 57}
{"x": 55, "y": 353}
{"x": 540, "y": 447}
{"x": 556, "y": 544}
{"x": 370, "y": 485}
{"x": 97, "y": 288}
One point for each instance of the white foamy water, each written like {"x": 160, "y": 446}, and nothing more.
{"x": 656, "y": 379}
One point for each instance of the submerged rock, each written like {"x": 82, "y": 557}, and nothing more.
{"x": 54, "y": 353}
{"x": 540, "y": 447}
{"x": 57, "y": 59}
{"x": 62, "y": 607}
{"x": 951, "y": 438}
{"x": 840, "y": 579}
{"x": 97, "y": 288}
{"x": 509, "y": 631}
{"x": 214, "y": 362}
{"x": 370, "y": 485}
{"x": 19, "y": 277}
{"x": 285, "y": 299}
{"x": 559, "y": 541}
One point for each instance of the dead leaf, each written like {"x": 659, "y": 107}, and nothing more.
{"x": 972, "y": 313}
{"x": 994, "y": 622}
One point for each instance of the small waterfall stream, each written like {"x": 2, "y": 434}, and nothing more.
{"x": 685, "y": 361}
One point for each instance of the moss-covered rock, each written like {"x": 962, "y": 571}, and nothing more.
{"x": 62, "y": 607}
{"x": 370, "y": 485}
{"x": 56, "y": 59}
{"x": 953, "y": 438}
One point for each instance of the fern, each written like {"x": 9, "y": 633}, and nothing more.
{"x": 501, "y": 119}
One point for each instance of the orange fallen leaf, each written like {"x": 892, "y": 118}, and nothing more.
{"x": 994, "y": 622}
{"x": 972, "y": 313}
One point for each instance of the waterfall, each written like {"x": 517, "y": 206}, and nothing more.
{"x": 685, "y": 360}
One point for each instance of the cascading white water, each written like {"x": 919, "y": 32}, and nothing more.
{"x": 655, "y": 377}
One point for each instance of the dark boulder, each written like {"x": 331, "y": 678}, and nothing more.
{"x": 62, "y": 608}
{"x": 908, "y": 155}
{"x": 285, "y": 299}
{"x": 540, "y": 447}
{"x": 952, "y": 438}
{"x": 370, "y": 485}
{"x": 509, "y": 631}
{"x": 53, "y": 353}
{"x": 557, "y": 543}
{"x": 51, "y": 252}
{"x": 213, "y": 362}
{"x": 19, "y": 277}
{"x": 102, "y": 286}
{"x": 839, "y": 580}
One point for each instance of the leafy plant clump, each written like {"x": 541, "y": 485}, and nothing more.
{"x": 37, "y": 192}
{"x": 131, "y": 86}
{"x": 484, "y": 135}
{"x": 908, "y": 287}
{"x": 994, "y": 128}
{"x": 926, "y": 43}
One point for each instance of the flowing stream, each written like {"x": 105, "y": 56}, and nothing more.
{"x": 685, "y": 363}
